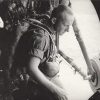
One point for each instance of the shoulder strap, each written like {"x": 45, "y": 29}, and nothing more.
{"x": 55, "y": 3}
{"x": 38, "y": 24}
{"x": 47, "y": 29}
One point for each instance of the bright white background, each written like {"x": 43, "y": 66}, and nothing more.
{"x": 89, "y": 24}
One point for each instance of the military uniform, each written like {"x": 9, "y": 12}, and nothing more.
{"x": 36, "y": 42}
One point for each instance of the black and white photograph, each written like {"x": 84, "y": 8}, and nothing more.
{"x": 49, "y": 50}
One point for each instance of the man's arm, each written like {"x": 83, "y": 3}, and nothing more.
{"x": 75, "y": 27}
{"x": 43, "y": 81}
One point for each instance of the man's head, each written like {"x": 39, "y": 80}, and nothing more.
{"x": 61, "y": 18}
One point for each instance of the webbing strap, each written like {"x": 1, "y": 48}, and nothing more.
{"x": 37, "y": 23}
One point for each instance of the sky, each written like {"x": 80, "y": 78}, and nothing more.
{"x": 89, "y": 25}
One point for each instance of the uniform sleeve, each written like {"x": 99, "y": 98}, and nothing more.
{"x": 40, "y": 44}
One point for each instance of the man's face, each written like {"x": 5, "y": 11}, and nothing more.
{"x": 63, "y": 24}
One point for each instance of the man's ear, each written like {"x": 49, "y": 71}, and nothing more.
{"x": 53, "y": 20}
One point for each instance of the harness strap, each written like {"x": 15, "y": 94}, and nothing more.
{"x": 37, "y": 23}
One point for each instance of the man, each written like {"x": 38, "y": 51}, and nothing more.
{"x": 35, "y": 54}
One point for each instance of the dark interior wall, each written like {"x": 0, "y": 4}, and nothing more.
{"x": 96, "y": 4}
